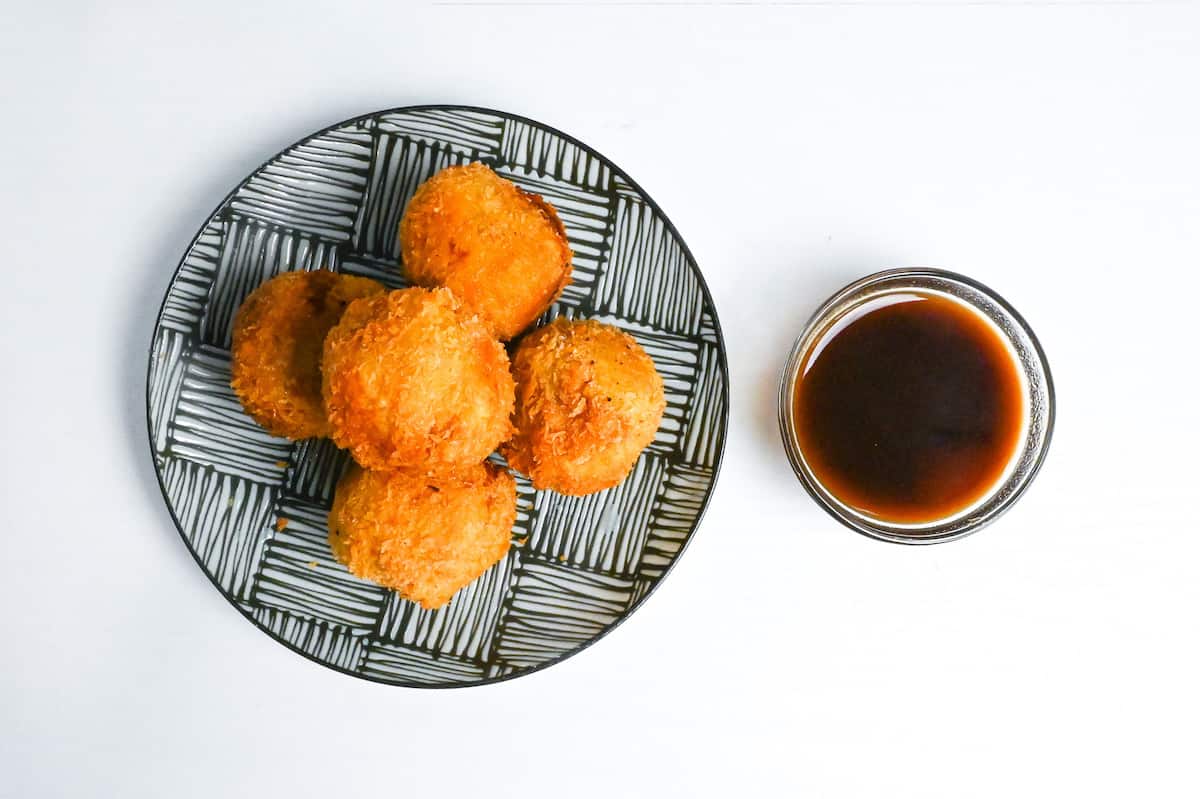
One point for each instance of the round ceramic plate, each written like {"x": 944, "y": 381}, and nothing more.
{"x": 252, "y": 507}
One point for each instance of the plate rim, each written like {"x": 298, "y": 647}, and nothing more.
{"x": 721, "y": 353}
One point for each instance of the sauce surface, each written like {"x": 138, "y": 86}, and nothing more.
{"x": 909, "y": 408}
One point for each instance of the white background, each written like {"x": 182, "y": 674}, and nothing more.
{"x": 1047, "y": 149}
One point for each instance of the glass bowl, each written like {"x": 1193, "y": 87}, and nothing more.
{"x": 1037, "y": 386}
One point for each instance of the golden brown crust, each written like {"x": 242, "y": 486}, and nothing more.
{"x": 424, "y": 537}
{"x": 589, "y": 400}
{"x": 412, "y": 381}
{"x": 501, "y": 250}
{"x": 278, "y": 333}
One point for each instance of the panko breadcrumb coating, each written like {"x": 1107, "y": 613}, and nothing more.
{"x": 278, "y": 333}
{"x": 411, "y": 380}
{"x": 424, "y": 537}
{"x": 588, "y": 402}
{"x": 501, "y": 250}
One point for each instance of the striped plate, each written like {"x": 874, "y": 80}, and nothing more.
{"x": 579, "y": 565}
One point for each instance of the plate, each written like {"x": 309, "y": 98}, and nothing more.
{"x": 252, "y": 508}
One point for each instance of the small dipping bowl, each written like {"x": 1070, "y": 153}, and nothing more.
{"x": 1036, "y": 384}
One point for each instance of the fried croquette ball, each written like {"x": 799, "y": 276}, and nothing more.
{"x": 413, "y": 381}
{"x": 278, "y": 333}
{"x": 588, "y": 402}
{"x": 424, "y": 537}
{"x": 501, "y": 250}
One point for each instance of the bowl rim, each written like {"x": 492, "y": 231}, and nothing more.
{"x": 883, "y": 531}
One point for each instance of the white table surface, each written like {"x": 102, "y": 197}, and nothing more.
{"x": 1051, "y": 150}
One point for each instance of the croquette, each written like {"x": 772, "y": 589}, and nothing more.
{"x": 501, "y": 250}
{"x": 413, "y": 381}
{"x": 278, "y": 334}
{"x": 424, "y": 537}
{"x": 589, "y": 400}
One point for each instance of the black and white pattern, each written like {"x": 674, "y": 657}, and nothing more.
{"x": 252, "y": 508}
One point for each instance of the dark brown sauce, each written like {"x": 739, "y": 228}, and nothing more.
{"x": 909, "y": 408}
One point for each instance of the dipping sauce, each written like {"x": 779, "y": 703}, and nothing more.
{"x": 909, "y": 408}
